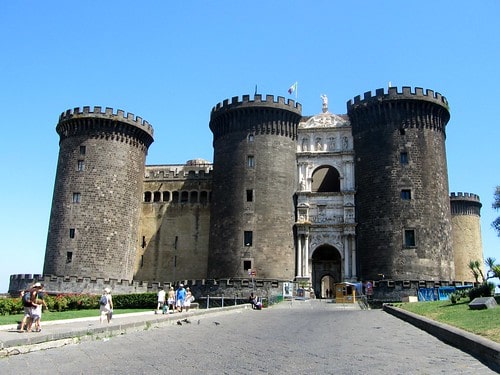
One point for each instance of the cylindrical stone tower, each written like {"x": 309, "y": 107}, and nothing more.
{"x": 97, "y": 194}
{"x": 402, "y": 201}
{"x": 252, "y": 213}
{"x": 466, "y": 230}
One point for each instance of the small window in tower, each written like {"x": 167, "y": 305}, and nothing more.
{"x": 76, "y": 197}
{"x": 143, "y": 244}
{"x": 142, "y": 260}
{"x": 69, "y": 257}
{"x": 247, "y": 265}
{"x": 410, "y": 238}
{"x": 403, "y": 158}
{"x": 406, "y": 194}
{"x": 156, "y": 196}
{"x": 402, "y": 131}
{"x": 80, "y": 166}
{"x": 147, "y": 196}
{"x": 248, "y": 238}
{"x": 83, "y": 149}
{"x": 249, "y": 195}
{"x": 250, "y": 161}
{"x": 71, "y": 232}
{"x": 250, "y": 137}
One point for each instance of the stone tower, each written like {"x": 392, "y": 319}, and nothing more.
{"x": 97, "y": 194}
{"x": 466, "y": 230}
{"x": 402, "y": 202}
{"x": 254, "y": 181}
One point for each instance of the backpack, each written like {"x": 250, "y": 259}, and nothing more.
{"x": 103, "y": 300}
{"x": 27, "y": 299}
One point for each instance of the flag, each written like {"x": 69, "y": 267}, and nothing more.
{"x": 292, "y": 88}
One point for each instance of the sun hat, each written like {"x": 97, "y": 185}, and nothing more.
{"x": 37, "y": 285}
{"x": 107, "y": 290}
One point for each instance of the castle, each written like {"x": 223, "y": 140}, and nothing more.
{"x": 315, "y": 199}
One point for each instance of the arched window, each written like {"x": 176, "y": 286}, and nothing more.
{"x": 184, "y": 197}
{"x": 203, "y": 197}
{"x": 193, "y": 197}
{"x": 156, "y": 196}
{"x": 325, "y": 179}
{"x": 166, "y": 196}
{"x": 175, "y": 197}
{"x": 147, "y": 196}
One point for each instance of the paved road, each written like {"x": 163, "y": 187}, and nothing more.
{"x": 309, "y": 337}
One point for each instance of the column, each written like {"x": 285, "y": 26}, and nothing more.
{"x": 306, "y": 253}
{"x": 299, "y": 255}
{"x": 353, "y": 262}
{"x": 346, "y": 258}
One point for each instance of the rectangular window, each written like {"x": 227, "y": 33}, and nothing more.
{"x": 248, "y": 238}
{"x": 81, "y": 166}
{"x": 71, "y": 232}
{"x": 247, "y": 265}
{"x": 406, "y": 194}
{"x": 250, "y": 195}
{"x": 403, "y": 158}
{"x": 83, "y": 149}
{"x": 76, "y": 197}
{"x": 250, "y": 161}
{"x": 410, "y": 238}
{"x": 69, "y": 257}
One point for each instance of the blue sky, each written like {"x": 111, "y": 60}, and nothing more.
{"x": 171, "y": 62}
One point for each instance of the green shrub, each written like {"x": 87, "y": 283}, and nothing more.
{"x": 483, "y": 290}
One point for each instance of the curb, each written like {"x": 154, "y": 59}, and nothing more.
{"x": 21, "y": 343}
{"x": 486, "y": 351}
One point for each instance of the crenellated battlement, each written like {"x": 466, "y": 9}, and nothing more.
{"x": 178, "y": 171}
{"x": 107, "y": 113}
{"x": 392, "y": 93}
{"x": 464, "y": 197}
{"x": 257, "y": 101}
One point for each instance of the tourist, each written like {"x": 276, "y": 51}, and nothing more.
{"x": 189, "y": 298}
{"x": 161, "y": 300}
{"x": 106, "y": 305}
{"x": 180, "y": 297}
{"x": 171, "y": 299}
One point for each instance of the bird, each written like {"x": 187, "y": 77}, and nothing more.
{"x": 179, "y": 323}
{"x": 216, "y": 323}
{"x": 198, "y": 321}
{"x": 186, "y": 321}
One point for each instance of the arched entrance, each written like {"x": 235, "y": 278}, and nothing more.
{"x": 326, "y": 269}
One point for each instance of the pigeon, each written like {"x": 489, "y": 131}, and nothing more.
{"x": 198, "y": 321}
{"x": 179, "y": 323}
{"x": 216, "y": 323}
{"x": 186, "y": 321}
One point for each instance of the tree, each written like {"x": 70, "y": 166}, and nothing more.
{"x": 496, "y": 206}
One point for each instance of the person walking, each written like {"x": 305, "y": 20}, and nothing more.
{"x": 161, "y": 301}
{"x": 189, "y": 298}
{"x": 180, "y": 297}
{"x": 171, "y": 299}
{"x": 106, "y": 305}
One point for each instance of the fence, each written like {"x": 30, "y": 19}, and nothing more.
{"x": 212, "y": 302}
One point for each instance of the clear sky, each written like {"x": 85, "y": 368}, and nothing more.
{"x": 170, "y": 62}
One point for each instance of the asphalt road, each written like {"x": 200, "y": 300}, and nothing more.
{"x": 310, "y": 337}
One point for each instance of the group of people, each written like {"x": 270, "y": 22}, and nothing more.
{"x": 176, "y": 300}
{"x": 33, "y": 302}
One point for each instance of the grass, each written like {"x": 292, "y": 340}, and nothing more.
{"x": 55, "y": 315}
{"x": 484, "y": 323}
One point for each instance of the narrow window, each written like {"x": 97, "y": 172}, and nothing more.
{"x": 175, "y": 242}
{"x": 76, "y": 197}
{"x": 80, "y": 166}
{"x": 71, "y": 232}
{"x": 142, "y": 260}
{"x": 403, "y": 158}
{"x": 69, "y": 257}
{"x": 247, "y": 265}
{"x": 409, "y": 238}
{"x": 250, "y": 195}
{"x": 248, "y": 238}
{"x": 143, "y": 244}
{"x": 402, "y": 131}
{"x": 83, "y": 149}
{"x": 166, "y": 196}
{"x": 250, "y": 161}
{"x": 147, "y": 196}
{"x": 406, "y": 194}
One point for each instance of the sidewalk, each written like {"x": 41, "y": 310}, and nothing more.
{"x": 62, "y": 332}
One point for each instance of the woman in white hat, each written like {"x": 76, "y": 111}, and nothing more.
{"x": 106, "y": 305}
